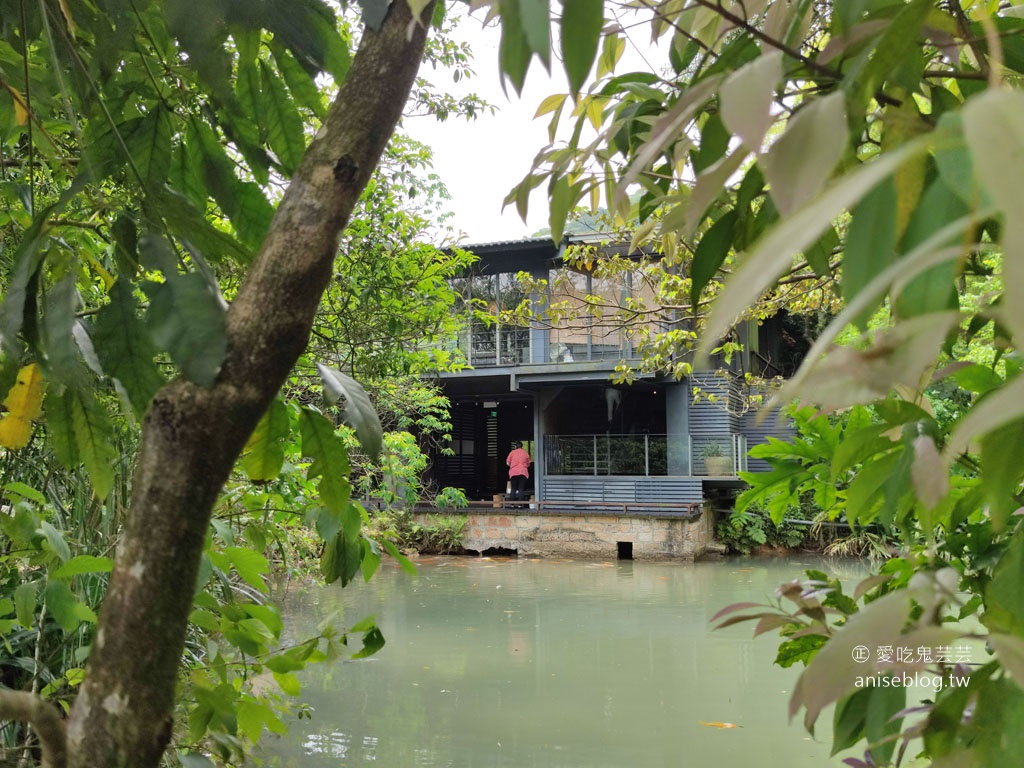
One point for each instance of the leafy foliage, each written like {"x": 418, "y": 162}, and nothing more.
{"x": 744, "y": 532}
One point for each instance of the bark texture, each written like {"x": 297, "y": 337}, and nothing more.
{"x": 192, "y": 436}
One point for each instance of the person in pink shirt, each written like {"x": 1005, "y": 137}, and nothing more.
{"x": 518, "y": 471}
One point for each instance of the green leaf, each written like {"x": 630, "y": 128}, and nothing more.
{"x": 253, "y": 715}
{"x": 288, "y": 683}
{"x": 1002, "y": 471}
{"x": 186, "y": 318}
{"x": 341, "y": 558}
{"x": 204, "y": 620}
{"x": 404, "y": 562}
{"x": 514, "y": 51}
{"x": 1004, "y": 598}
{"x": 321, "y": 442}
{"x": 25, "y": 604}
{"x": 66, "y": 609}
{"x": 188, "y": 224}
{"x": 359, "y": 410}
{"x": 371, "y": 558}
{"x": 268, "y": 614}
{"x": 124, "y": 347}
{"x": 893, "y": 46}
{"x": 250, "y": 566}
{"x": 284, "y": 124}
{"x": 149, "y": 145}
{"x": 975, "y": 377}
{"x": 62, "y": 302}
{"x": 83, "y": 564}
{"x": 80, "y": 433}
{"x": 302, "y": 86}
{"x": 560, "y": 193}
{"x": 373, "y": 641}
{"x": 535, "y": 16}
{"x": 996, "y": 409}
{"x": 580, "y": 31}
{"x": 802, "y": 159}
{"x": 800, "y": 649}
{"x": 819, "y": 255}
{"x": 24, "y": 491}
{"x": 60, "y": 433}
{"x": 711, "y": 252}
{"x": 934, "y": 289}
{"x": 864, "y": 496}
{"x": 871, "y": 242}
{"x": 94, "y": 439}
{"x": 264, "y": 453}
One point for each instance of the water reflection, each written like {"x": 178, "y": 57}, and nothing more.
{"x": 551, "y": 664}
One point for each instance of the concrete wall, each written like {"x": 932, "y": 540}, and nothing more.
{"x": 587, "y": 536}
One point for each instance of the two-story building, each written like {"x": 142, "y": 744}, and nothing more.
{"x": 547, "y": 383}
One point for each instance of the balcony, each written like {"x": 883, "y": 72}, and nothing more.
{"x": 645, "y": 455}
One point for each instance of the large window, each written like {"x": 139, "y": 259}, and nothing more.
{"x": 485, "y": 341}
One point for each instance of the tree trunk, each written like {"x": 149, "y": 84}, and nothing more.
{"x": 192, "y": 436}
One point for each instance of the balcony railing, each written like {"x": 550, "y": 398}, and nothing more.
{"x": 644, "y": 455}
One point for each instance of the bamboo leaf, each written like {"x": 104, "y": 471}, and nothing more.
{"x": 359, "y": 410}
{"x": 996, "y": 409}
{"x": 536, "y": 20}
{"x": 714, "y": 246}
{"x": 994, "y": 128}
{"x": 581, "y": 29}
{"x": 774, "y": 252}
{"x": 871, "y": 241}
{"x": 514, "y": 51}
{"x": 747, "y": 97}
{"x": 802, "y": 159}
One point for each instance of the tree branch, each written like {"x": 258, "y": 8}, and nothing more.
{"x": 45, "y": 720}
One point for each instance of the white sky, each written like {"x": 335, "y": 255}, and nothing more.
{"x": 481, "y": 160}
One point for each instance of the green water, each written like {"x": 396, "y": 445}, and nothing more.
{"x": 553, "y": 664}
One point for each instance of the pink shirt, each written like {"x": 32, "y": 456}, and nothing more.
{"x": 518, "y": 463}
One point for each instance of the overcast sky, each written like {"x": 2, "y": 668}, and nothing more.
{"x": 481, "y": 160}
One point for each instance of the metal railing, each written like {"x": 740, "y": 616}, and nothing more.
{"x": 645, "y": 455}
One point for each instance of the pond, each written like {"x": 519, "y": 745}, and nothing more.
{"x": 553, "y": 664}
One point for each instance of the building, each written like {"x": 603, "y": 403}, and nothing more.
{"x": 549, "y": 386}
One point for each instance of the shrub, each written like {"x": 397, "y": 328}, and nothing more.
{"x": 743, "y": 532}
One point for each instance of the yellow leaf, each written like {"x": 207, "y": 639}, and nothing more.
{"x": 20, "y": 107}
{"x": 24, "y": 402}
{"x": 718, "y": 725}
{"x": 108, "y": 279}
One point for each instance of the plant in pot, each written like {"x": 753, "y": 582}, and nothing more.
{"x": 717, "y": 462}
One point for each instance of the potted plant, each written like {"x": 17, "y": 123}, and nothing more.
{"x": 716, "y": 461}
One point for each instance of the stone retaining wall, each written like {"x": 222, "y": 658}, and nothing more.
{"x": 587, "y": 536}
